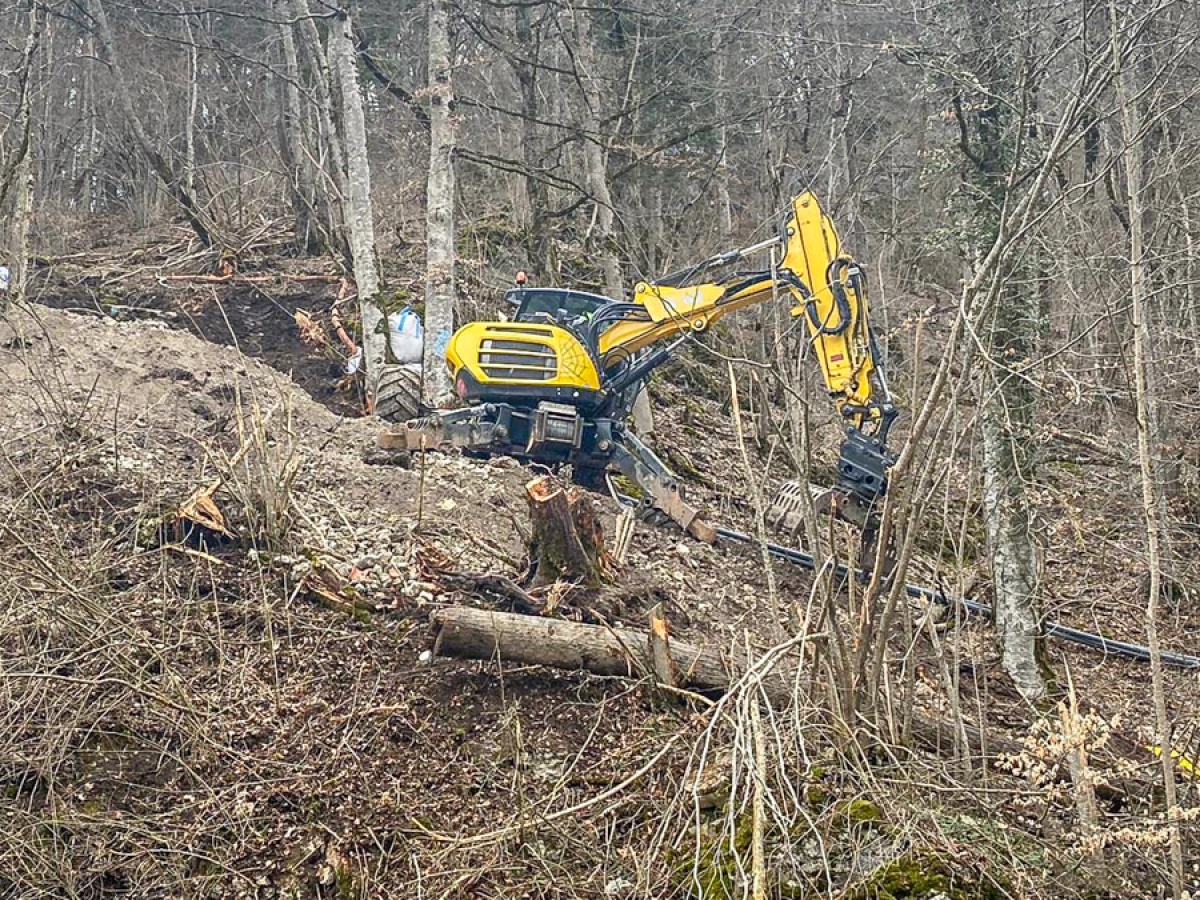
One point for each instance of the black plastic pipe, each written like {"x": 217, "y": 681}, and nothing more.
{"x": 1051, "y": 629}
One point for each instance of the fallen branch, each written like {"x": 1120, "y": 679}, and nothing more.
{"x": 490, "y": 584}
{"x": 235, "y": 278}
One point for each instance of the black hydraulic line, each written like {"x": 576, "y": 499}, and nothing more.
{"x": 1051, "y": 629}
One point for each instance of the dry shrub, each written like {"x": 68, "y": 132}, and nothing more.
{"x": 260, "y": 476}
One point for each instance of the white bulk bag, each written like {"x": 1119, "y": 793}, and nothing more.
{"x": 406, "y": 337}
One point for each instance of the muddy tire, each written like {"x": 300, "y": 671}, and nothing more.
{"x": 399, "y": 396}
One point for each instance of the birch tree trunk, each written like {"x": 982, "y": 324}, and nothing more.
{"x": 1132, "y": 159}
{"x": 439, "y": 210}
{"x": 170, "y": 179}
{"x": 1010, "y": 398}
{"x": 23, "y": 119}
{"x": 1189, "y": 277}
{"x": 358, "y": 213}
{"x": 189, "y": 125}
{"x": 89, "y": 187}
{"x": 22, "y": 216}
{"x": 22, "y": 171}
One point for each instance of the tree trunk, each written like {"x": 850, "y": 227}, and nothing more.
{"x": 358, "y": 213}
{"x": 1189, "y": 276}
{"x": 1133, "y": 135}
{"x": 536, "y": 199}
{"x": 189, "y": 125}
{"x": 291, "y": 142}
{"x": 721, "y": 102}
{"x": 439, "y": 210}
{"x": 170, "y": 179}
{"x": 10, "y": 171}
{"x": 594, "y": 156}
{"x": 22, "y": 173}
{"x": 1009, "y": 402}
{"x": 90, "y": 180}
{"x": 568, "y": 540}
{"x": 22, "y": 216}
{"x": 1007, "y": 430}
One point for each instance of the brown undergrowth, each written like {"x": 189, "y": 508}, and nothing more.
{"x": 182, "y": 716}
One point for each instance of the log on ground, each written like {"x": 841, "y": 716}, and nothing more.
{"x": 469, "y": 633}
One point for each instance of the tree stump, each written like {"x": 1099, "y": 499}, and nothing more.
{"x": 567, "y": 540}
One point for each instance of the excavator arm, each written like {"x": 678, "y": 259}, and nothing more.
{"x": 826, "y": 288}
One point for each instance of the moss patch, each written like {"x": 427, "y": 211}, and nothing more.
{"x": 713, "y": 869}
{"x": 915, "y": 876}
{"x": 855, "y": 814}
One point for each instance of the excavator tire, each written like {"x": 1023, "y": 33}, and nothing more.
{"x": 398, "y": 397}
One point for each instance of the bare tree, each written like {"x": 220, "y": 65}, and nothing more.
{"x": 990, "y": 122}
{"x": 332, "y": 167}
{"x": 172, "y": 181}
{"x": 1133, "y": 136}
{"x": 291, "y": 138}
{"x": 594, "y": 151}
{"x": 359, "y": 213}
{"x": 439, "y": 215}
{"x": 18, "y": 170}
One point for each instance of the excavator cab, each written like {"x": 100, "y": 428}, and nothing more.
{"x": 558, "y": 305}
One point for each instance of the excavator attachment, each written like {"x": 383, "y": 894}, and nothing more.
{"x": 788, "y": 509}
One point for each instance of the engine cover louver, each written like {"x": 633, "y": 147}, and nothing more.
{"x": 517, "y": 360}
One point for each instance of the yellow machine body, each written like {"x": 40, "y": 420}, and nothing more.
{"x": 497, "y": 360}
{"x": 517, "y": 354}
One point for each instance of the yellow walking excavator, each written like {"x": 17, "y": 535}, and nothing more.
{"x": 556, "y": 384}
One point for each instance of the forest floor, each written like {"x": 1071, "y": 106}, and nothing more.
{"x": 257, "y": 715}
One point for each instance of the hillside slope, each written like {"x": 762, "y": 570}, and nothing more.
{"x": 254, "y": 716}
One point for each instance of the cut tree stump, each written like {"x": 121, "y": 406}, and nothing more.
{"x": 568, "y": 539}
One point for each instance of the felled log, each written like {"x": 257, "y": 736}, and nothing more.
{"x": 465, "y": 632}
{"x": 568, "y": 539}
{"x": 469, "y": 633}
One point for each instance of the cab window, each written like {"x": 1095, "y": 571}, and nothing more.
{"x": 554, "y": 303}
